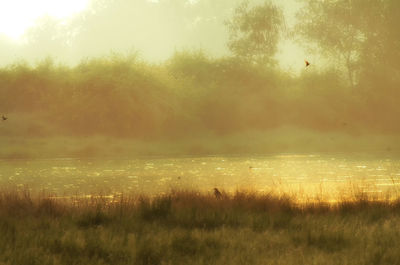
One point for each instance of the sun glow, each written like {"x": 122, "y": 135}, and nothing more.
{"x": 17, "y": 16}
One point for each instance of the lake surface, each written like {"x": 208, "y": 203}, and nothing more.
{"x": 328, "y": 176}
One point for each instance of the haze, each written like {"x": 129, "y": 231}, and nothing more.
{"x": 123, "y": 77}
{"x": 70, "y": 31}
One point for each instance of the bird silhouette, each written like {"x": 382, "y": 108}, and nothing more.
{"x": 217, "y": 193}
{"x": 4, "y": 118}
{"x": 307, "y": 63}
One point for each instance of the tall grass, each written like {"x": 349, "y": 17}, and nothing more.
{"x": 187, "y": 227}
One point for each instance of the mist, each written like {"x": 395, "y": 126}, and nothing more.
{"x": 203, "y": 77}
{"x": 154, "y": 29}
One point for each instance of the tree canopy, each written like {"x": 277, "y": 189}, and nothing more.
{"x": 255, "y": 32}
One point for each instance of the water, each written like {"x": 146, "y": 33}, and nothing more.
{"x": 304, "y": 175}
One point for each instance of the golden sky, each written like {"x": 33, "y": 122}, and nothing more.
{"x": 17, "y": 17}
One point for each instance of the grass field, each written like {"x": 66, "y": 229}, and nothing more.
{"x": 195, "y": 228}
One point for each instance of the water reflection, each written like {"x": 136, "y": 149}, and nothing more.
{"x": 303, "y": 175}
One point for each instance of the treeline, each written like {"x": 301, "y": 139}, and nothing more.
{"x": 188, "y": 95}
{"x": 193, "y": 94}
{"x": 123, "y": 96}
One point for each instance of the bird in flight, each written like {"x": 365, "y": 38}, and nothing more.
{"x": 307, "y": 63}
{"x": 4, "y": 118}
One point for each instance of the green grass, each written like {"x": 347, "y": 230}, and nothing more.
{"x": 196, "y": 228}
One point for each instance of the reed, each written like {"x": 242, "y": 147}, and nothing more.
{"x": 189, "y": 227}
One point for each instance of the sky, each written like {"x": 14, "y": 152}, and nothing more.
{"x": 16, "y": 16}
{"x": 156, "y": 36}
{"x": 354, "y": 92}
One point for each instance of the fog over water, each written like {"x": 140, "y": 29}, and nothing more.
{"x": 172, "y": 77}
{"x": 140, "y": 96}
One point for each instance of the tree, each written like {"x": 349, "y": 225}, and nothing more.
{"x": 332, "y": 25}
{"x": 380, "y": 54}
{"x": 362, "y": 39}
{"x": 255, "y": 32}
{"x": 359, "y": 36}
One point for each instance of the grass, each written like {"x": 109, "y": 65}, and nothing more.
{"x": 195, "y": 228}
